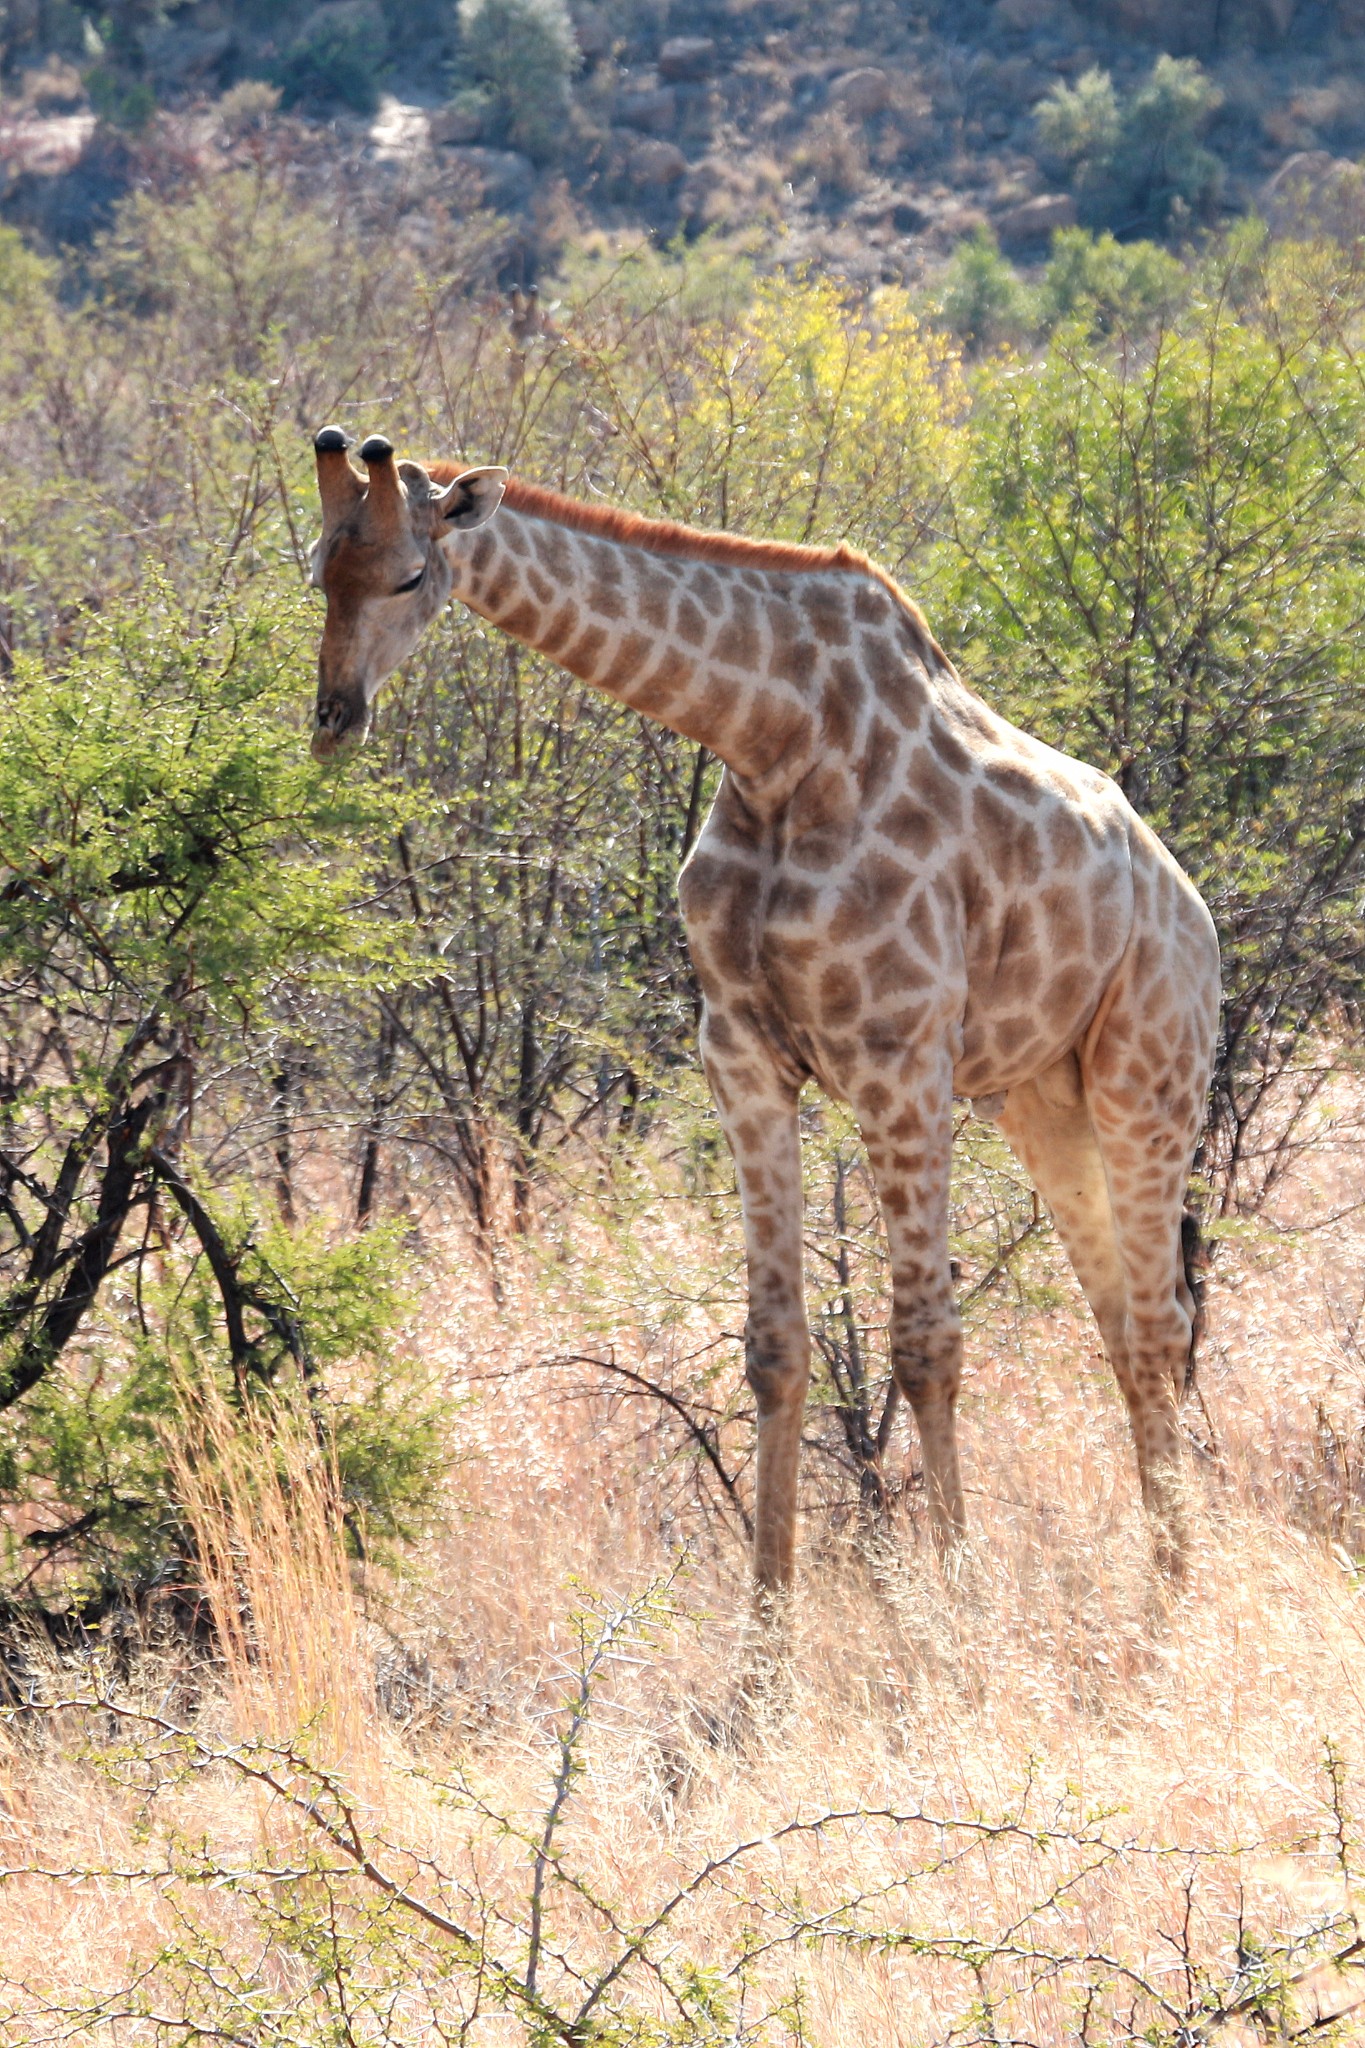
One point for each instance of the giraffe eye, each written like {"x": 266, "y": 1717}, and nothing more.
{"x": 411, "y": 583}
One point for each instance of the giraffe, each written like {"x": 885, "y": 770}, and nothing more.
{"x": 896, "y": 894}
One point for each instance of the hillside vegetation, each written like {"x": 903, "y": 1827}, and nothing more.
{"x": 871, "y": 139}
{"x": 374, "y": 1451}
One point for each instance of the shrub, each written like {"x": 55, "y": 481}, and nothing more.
{"x": 1111, "y": 286}
{"x": 338, "y": 54}
{"x": 1136, "y": 162}
{"x": 984, "y": 300}
{"x": 523, "y": 52}
{"x": 175, "y": 879}
{"x": 121, "y": 101}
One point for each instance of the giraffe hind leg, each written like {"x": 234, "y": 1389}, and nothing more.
{"x": 1147, "y": 1154}
{"x": 1047, "y": 1125}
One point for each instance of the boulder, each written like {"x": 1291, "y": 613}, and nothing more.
{"x": 1034, "y": 220}
{"x": 652, "y": 161}
{"x": 687, "y": 57}
{"x": 655, "y": 113}
{"x": 862, "y": 93}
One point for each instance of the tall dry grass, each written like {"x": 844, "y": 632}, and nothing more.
{"x": 1051, "y": 1801}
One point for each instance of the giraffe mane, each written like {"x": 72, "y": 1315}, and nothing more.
{"x": 693, "y": 543}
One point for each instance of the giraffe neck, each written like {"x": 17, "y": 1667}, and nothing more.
{"x": 719, "y": 651}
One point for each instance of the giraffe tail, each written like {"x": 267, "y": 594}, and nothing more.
{"x": 1194, "y": 1255}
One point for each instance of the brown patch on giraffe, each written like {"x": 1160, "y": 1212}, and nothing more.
{"x": 607, "y": 599}
{"x": 884, "y": 1037}
{"x": 738, "y": 643}
{"x": 1068, "y": 991}
{"x": 841, "y": 998}
{"x": 900, "y": 689}
{"x": 1009, "y": 842}
{"x": 910, "y": 825}
{"x": 870, "y": 607}
{"x": 522, "y": 620}
{"x": 1057, "y": 907}
{"x": 794, "y": 654}
{"x": 1014, "y": 782}
{"x": 560, "y": 630}
{"x": 481, "y": 554}
{"x": 1013, "y": 1035}
{"x": 792, "y": 899}
{"x": 774, "y": 727}
{"x": 838, "y": 718}
{"x": 937, "y": 790}
{"x": 890, "y": 969}
{"x": 820, "y": 818}
{"x": 1066, "y": 839}
{"x": 973, "y": 892}
{"x": 721, "y": 899}
{"x": 871, "y": 894}
{"x": 500, "y": 589}
{"x": 827, "y": 612}
{"x": 541, "y": 587}
{"x": 628, "y": 659}
{"x": 553, "y": 548}
{"x": 720, "y": 1033}
{"x": 583, "y": 656}
{"x": 879, "y": 758}
{"x": 949, "y": 749}
{"x": 672, "y": 674}
{"x": 909, "y": 1124}
{"x": 654, "y": 596}
{"x": 689, "y": 621}
{"x": 922, "y": 925}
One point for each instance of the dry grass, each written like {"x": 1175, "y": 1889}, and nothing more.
{"x": 1128, "y": 1779}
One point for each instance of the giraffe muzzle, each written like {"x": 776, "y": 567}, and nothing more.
{"x": 339, "y": 728}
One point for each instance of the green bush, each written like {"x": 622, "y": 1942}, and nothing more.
{"x": 1109, "y": 285}
{"x": 1136, "y": 162}
{"x": 523, "y": 52}
{"x": 175, "y": 882}
{"x": 984, "y": 300}
{"x": 338, "y": 54}
{"x": 121, "y": 101}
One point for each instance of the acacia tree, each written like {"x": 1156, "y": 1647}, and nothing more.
{"x": 176, "y": 883}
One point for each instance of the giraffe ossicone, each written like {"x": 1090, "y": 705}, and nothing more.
{"x": 897, "y": 894}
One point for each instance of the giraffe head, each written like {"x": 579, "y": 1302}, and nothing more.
{"x": 385, "y": 564}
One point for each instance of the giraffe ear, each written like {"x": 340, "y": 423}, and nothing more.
{"x": 471, "y": 499}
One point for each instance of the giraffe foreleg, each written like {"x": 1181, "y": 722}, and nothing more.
{"x": 757, "y": 1105}
{"x": 909, "y": 1152}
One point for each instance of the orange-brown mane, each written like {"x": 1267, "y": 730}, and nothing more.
{"x": 690, "y": 543}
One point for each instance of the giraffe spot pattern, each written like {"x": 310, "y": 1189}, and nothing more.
{"x": 897, "y": 892}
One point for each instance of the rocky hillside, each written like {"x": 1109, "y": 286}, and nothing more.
{"x": 868, "y": 137}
